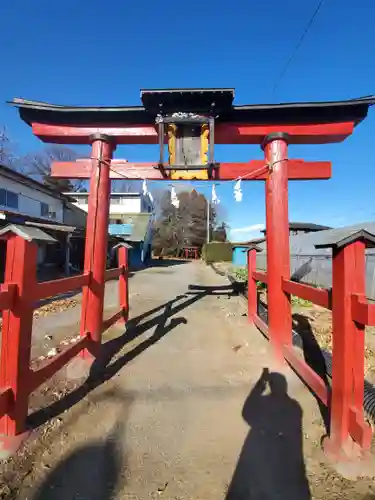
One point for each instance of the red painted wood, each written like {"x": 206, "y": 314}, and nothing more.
{"x": 308, "y": 375}
{"x": 358, "y": 332}
{"x": 50, "y": 367}
{"x": 363, "y": 312}
{"x": 359, "y": 429}
{"x": 123, "y": 260}
{"x": 297, "y": 170}
{"x": 252, "y": 293}
{"x": 348, "y": 342}
{"x": 64, "y": 285}
{"x": 278, "y": 255}
{"x": 260, "y": 276}
{"x": 96, "y": 244}
{"x": 7, "y": 294}
{"x": 225, "y": 133}
{"x": 114, "y": 273}
{"x": 20, "y": 269}
{"x": 318, "y": 296}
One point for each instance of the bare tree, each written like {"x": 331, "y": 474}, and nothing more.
{"x": 8, "y": 156}
{"x": 39, "y": 164}
{"x": 184, "y": 226}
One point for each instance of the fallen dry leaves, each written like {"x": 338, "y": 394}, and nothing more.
{"x": 57, "y": 305}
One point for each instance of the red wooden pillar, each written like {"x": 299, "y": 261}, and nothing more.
{"x": 252, "y": 293}
{"x": 21, "y": 261}
{"x": 277, "y": 235}
{"x": 96, "y": 241}
{"x": 348, "y": 277}
{"x": 123, "y": 260}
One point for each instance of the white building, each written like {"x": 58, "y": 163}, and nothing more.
{"x": 130, "y": 218}
{"x": 119, "y": 205}
{"x": 26, "y": 201}
{"x": 24, "y": 196}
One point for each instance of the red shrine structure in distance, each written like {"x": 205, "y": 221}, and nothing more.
{"x": 187, "y": 124}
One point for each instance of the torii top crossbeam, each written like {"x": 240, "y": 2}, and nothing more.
{"x": 191, "y": 121}
{"x": 306, "y": 122}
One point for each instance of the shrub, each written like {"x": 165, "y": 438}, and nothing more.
{"x": 217, "y": 252}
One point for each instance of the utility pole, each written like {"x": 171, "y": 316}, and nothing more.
{"x": 208, "y": 220}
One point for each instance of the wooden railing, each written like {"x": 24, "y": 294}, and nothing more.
{"x": 350, "y": 313}
{"x": 18, "y": 296}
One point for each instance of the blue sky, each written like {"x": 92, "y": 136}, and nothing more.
{"x": 102, "y": 53}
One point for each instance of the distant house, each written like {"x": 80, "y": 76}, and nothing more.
{"x": 120, "y": 204}
{"x": 26, "y": 201}
{"x": 296, "y": 228}
{"x": 130, "y": 219}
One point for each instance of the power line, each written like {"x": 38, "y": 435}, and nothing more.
{"x": 297, "y": 46}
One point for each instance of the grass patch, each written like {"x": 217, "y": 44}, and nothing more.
{"x": 298, "y": 301}
{"x": 240, "y": 273}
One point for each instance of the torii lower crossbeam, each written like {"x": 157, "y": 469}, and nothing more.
{"x": 252, "y": 170}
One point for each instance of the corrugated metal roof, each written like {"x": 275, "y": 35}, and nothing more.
{"x": 139, "y": 224}
{"x": 304, "y": 244}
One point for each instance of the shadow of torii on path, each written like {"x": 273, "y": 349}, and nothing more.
{"x": 103, "y": 369}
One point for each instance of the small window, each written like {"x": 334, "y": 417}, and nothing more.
{"x": 3, "y": 197}
{"x": 44, "y": 209}
{"x": 12, "y": 200}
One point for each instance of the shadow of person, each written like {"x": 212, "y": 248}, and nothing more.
{"x": 94, "y": 471}
{"x": 271, "y": 464}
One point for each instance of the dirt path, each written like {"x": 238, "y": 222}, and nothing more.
{"x": 180, "y": 412}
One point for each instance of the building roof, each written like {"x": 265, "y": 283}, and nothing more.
{"x": 27, "y": 233}
{"x": 73, "y": 194}
{"x": 198, "y": 101}
{"x": 343, "y": 236}
{"x": 28, "y": 181}
{"x": 308, "y": 226}
{"x": 136, "y": 226}
{"x": 246, "y": 244}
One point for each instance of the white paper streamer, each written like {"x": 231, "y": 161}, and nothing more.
{"x": 238, "y": 191}
{"x": 174, "y": 198}
{"x": 214, "y": 197}
{"x": 146, "y": 192}
{"x": 144, "y": 187}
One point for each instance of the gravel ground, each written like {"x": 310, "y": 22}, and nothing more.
{"x": 177, "y": 409}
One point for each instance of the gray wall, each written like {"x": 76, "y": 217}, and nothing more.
{"x": 317, "y": 270}
{"x": 314, "y": 266}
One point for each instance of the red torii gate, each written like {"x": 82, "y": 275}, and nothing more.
{"x": 186, "y": 116}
